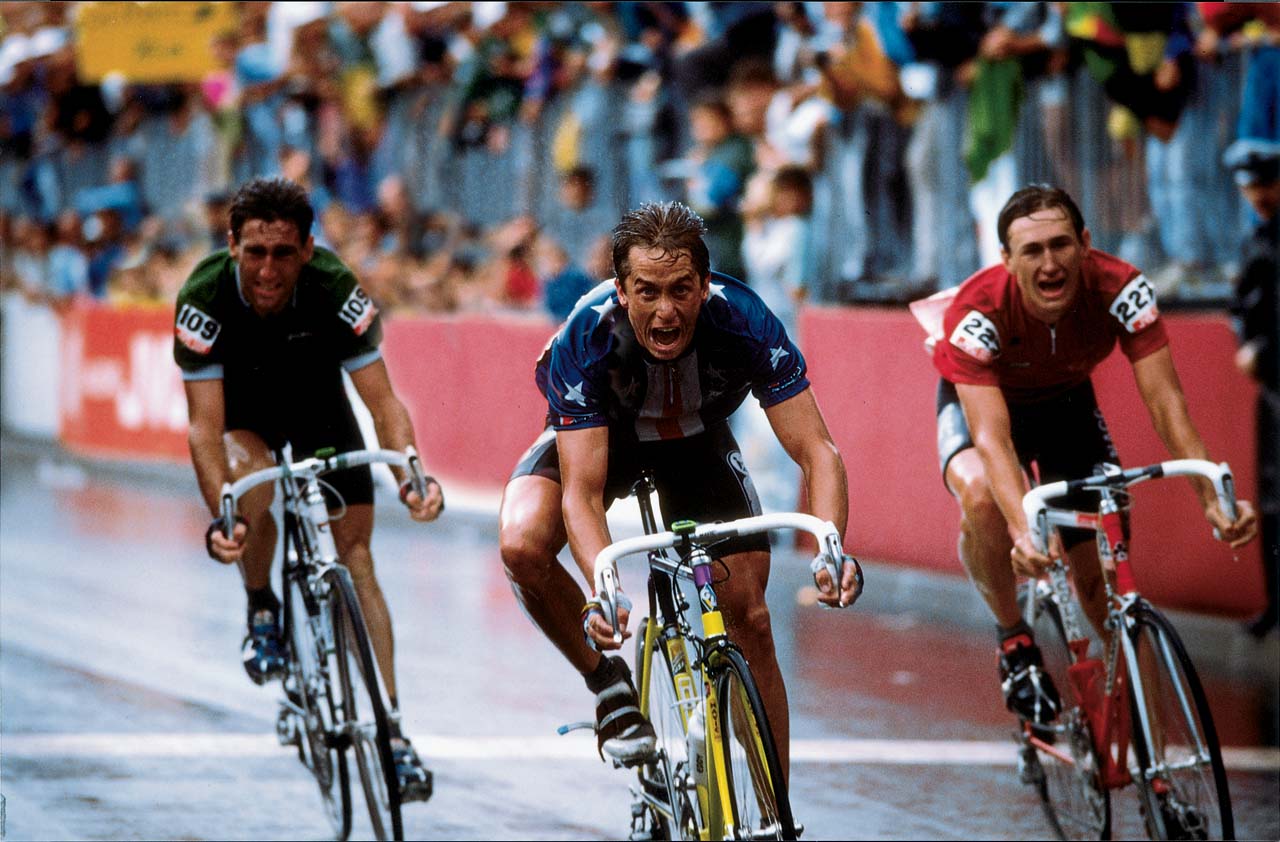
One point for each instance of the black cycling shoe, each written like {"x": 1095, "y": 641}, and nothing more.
{"x": 1028, "y": 689}
{"x": 416, "y": 781}
{"x": 621, "y": 731}
{"x": 263, "y": 650}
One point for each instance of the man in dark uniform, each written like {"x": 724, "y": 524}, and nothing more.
{"x": 645, "y": 373}
{"x": 1256, "y": 165}
{"x": 264, "y": 330}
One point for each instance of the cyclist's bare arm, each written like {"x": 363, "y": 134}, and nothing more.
{"x": 206, "y": 410}
{"x": 395, "y": 432}
{"x": 1162, "y": 393}
{"x": 803, "y": 433}
{"x": 584, "y": 465}
{"x": 987, "y": 415}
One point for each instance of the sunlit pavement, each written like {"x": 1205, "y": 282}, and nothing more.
{"x": 126, "y": 713}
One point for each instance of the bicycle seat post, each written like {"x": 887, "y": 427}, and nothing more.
{"x": 643, "y": 490}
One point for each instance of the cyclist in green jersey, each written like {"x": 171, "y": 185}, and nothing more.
{"x": 263, "y": 331}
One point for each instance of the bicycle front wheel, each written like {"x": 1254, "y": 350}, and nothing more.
{"x": 1065, "y": 768}
{"x": 364, "y": 709}
{"x": 1183, "y": 785}
{"x": 310, "y": 716}
{"x": 665, "y": 780}
{"x": 757, "y": 786}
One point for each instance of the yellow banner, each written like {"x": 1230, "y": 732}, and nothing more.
{"x": 149, "y": 42}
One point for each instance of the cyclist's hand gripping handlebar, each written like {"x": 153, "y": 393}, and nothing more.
{"x": 419, "y": 483}
{"x": 606, "y": 574}
{"x": 1035, "y": 505}
{"x": 225, "y": 524}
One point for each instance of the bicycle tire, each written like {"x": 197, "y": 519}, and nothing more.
{"x": 1072, "y": 796}
{"x": 310, "y": 686}
{"x": 669, "y": 812}
{"x": 759, "y": 805}
{"x": 1187, "y": 763}
{"x": 364, "y": 710}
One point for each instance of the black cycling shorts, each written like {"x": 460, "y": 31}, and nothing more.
{"x": 701, "y": 477}
{"x": 311, "y": 431}
{"x": 1065, "y": 437}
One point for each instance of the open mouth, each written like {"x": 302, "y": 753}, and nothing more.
{"x": 665, "y": 338}
{"x": 1052, "y": 289}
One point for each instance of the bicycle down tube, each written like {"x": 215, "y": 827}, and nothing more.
{"x": 329, "y": 645}
{"x": 1121, "y": 694}
{"x": 727, "y": 716}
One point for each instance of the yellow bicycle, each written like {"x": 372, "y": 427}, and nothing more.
{"x": 715, "y": 773}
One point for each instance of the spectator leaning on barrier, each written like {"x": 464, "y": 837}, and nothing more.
{"x": 1257, "y": 308}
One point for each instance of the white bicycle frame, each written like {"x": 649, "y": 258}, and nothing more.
{"x": 313, "y": 513}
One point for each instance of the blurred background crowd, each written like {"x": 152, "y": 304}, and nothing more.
{"x": 474, "y": 156}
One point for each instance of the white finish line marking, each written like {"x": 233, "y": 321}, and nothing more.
{"x": 572, "y": 747}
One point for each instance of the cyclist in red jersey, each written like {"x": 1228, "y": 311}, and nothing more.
{"x": 1018, "y": 343}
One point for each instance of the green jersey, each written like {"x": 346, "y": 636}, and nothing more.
{"x": 281, "y": 374}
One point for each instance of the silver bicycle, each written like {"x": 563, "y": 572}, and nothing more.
{"x": 335, "y": 699}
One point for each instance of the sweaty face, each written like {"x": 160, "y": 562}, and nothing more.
{"x": 662, "y": 297}
{"x": 271, "y": 256}
{"x": 1045, "y": 257}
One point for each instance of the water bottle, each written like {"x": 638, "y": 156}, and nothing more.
{"x": 696, "y": 735}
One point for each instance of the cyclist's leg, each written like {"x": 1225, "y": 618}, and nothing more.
{"x": 263, "y": 650}
{"x": 352, "y": 535}
{"x": 246, "y": 453}
{"x": 984, "y": 543}
{"x": 1075, "y": 441}
{"x": 531, "y": 533}
{"x": 746, "y": 617}
{"x": 1086, "y": 570}
{"x": 725, "y": 491}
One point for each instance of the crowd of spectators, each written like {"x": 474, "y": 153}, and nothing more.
{"x": 473, "y": 156}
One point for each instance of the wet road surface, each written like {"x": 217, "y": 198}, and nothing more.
{"x": 126, "y": 713}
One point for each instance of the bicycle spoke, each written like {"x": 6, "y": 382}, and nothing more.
{"x": 665, "y": 782}
{"x": 308, "y": 714}
{"x": 1063, "y": 764}
{"x": 364, "y": 712}
{"x": 757, "y": 788}
{"x": 1183, "y": 784}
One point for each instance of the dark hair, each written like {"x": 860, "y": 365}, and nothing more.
{"x": 750, "y": 73}
{"x": 712, "y": 100}
{"x": 1032, "y": 198}
{"x": 582, "y": 173}
{"x": 669, "y": 226}
{"x": 271, "y": 200}
{"x": 794, "y": 177}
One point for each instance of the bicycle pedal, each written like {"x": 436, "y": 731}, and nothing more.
{"x": 287, "y": 728}
{"x": 418, "y": 790}
{"x": 576, "y": 726}
{"x": 1030, "y": 772}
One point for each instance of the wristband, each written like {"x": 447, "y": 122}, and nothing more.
{"x": 593, "y": 606}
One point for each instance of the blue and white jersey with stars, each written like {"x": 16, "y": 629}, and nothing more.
{"x": 595, "y": 373}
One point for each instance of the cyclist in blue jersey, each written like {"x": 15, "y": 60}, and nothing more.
{"x": 644, "y": 374}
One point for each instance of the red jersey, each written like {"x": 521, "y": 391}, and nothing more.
{"x": 989, "y": 339}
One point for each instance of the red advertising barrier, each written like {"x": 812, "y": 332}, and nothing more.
{"x": 121, "y": 392}
{"x": 876, "y": 386}
{"x": 468, "y": 384}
